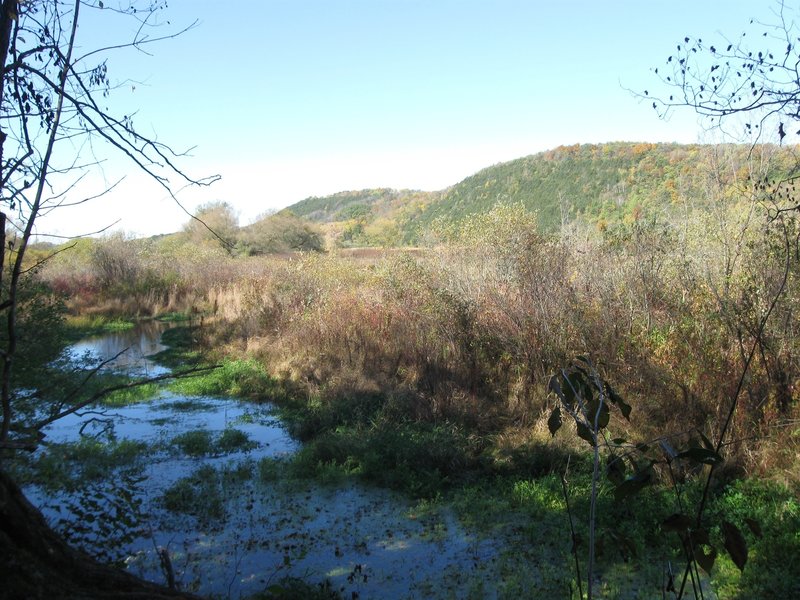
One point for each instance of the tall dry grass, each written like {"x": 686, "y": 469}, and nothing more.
{"x": 470, "y": 331}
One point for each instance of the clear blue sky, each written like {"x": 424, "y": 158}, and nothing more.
{"x": 287, "y": 99}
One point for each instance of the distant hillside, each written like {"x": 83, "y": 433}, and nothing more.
{"x": 594, "y": 182}
{"x": 605, "y": 182}
{"x": 352, "y": 205}
{"x": 379, "y": 217}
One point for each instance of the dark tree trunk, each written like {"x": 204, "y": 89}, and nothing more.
{"x": 36, "y": 563}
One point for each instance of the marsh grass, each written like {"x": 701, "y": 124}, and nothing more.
{"x": 234, "y": 440}
{"x": 70, "y": 466}
{"x": 247, "y": 379}
{"x": 292, "y": 588}
{"x": 199, "y": 495}
{"x": 202, "y": 442}
{"x": 182, "y": 350}
{"x": 773, "y": 569}
{"x": 134, "y": 395}
{"x": 413, "y": 371}
{"x": 84, "y": 325}
{"x": 205, "y": 493}
{"x": 194, "y": 443}
{"x": 188, "y": 405}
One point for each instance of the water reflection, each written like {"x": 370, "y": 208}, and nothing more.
{"x": 126, "y": 350}
{"x": 369, "y": 543}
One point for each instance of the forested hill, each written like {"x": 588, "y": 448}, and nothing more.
{"x": 595, "y": 182}
{"x": 352, "y": 205}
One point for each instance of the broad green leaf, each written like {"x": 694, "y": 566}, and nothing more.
{"x": 624, "y": 408}
{"x": 605, "y": 416}
{"x": 755, "y": 527}
{"x": 584, "y": 432}
{"x": 614, "y": 397}
{"x": 573, "y": 385}
{"x": 554, "y": 422}
{"x": 735, "y": 544}
{"x": 615, "y": 470}
{"x": 592, "y": 409}
{"x": 677, "y": 522}
{"x": 700, "y": 537}
{"x": 705, "y": 559}
{"x": 632, "y": 484}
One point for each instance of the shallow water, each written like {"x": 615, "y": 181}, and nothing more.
{"x": 126, "y": 350}
{"x": 366, "y": 541}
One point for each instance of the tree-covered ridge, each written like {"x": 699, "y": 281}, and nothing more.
{"x": 606, "y": 182}
{"x": 597, "y": 183}
{"x": 344, "y": 206}
{"x": 378, "y": 217}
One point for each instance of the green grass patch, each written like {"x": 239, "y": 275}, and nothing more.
{"x": 772, "y": 537}
{"x": 202, "y": 442}
{"x": 205, "y": 493}
{"x": 417, "y": 458}
{"x": 292, "y": 588}
{"x": 233, "y": 440}
{"x": 195, "y": 443}
{"x": 182, "y": 349}
{"x": 271, "y": 469}
{"x": 189, "y": 405}
{"x": 174, "y": 317}
{"x": 70, "y": 466}
{"x": 199, "y": 495}
{"x": 81, "y": 326}
{"x": 240, "y": 378}
{"x": 134, "y": 395}
{"x": 63, "y": 381}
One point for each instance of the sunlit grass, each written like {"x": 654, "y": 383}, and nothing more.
{"x": 133, "y": 395}
{"x": 240, "y": 378}
{"x": 80, "y": 326}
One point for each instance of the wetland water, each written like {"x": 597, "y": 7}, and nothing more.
{"x": 223, "y": 506}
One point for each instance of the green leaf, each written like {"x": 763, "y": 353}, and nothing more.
{"x": 677, "y": 522}
{"x": 623, "y": 406}
{"x": 604, "y": 417}
{"x": 554, "y": 422}
{"x": 574, "y": 385}
{"x": 735, "y": 544}
{"x": 755, "y": 527}
{"x": 633, "y": 484}
{"x": 700, "y": 537}
{"x": 705, "y": 559}
{"x": 584, "y": 433}
{"x": 625, "y": 409}
{"x": 615, "y": 470}
{"x": 586, "y": 390}
{"x": 701, "y": 455}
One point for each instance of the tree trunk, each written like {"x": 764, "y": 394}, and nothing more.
{"x": 36, "y": 563}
